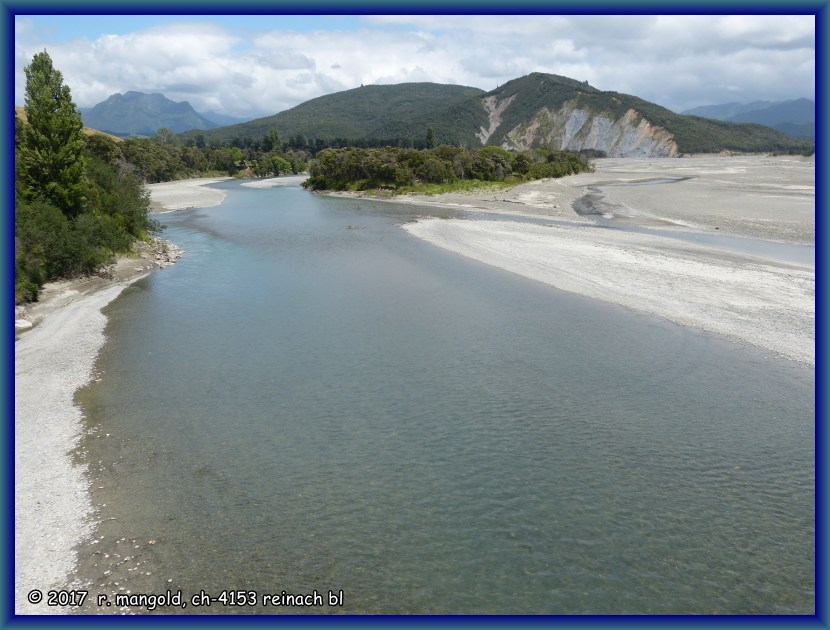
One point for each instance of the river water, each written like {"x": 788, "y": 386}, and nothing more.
{"x": 313, "y": 400}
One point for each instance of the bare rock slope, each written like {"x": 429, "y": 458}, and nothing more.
{"x": 572, "y": 128}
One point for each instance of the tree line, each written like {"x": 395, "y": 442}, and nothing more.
{"x": 355, "y": 168}
{"x": 166, "y": 157}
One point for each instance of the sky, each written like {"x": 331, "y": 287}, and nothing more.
{"x": 251, "y": 66}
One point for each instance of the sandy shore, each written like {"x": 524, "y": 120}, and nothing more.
{"x": 282, "y": 180}
{"x": 186, "y": 193}
{"x": 57, "y": 341}
{"x": 53, "y": 511}
{"x": 751, "y": 196}
{"x": 755, "y": 298}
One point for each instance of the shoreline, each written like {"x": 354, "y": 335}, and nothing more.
{"x": 752, "y": 298}
{"x": 279, "y": 180}
{"x": 756, "y": 302}
{"x": 183, "y": 194}
{"x": 57, "y": 341}
{"x": 53, "y": 509}
{"x": 744, "y": 196}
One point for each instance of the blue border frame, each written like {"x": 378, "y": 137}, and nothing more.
{"x": 822, "y": 103}
{"x": 7, "y": 249}
{"x": 9, "y": 8}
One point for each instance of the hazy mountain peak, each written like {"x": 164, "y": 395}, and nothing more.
{"x": 138, "y": 113}
{"x": 795, "y": 117}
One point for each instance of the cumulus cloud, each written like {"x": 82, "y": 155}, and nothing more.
{"x": 676, "y": 61}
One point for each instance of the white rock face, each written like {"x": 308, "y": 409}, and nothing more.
{"x": 573, "y": 124}
{"x": 494, "y": 111}
{"x": 572, "y": 128}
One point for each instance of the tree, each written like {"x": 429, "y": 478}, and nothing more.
{"x": 236, "y": 159}
{"x": 431, "y": 142}
{"x": 165, "y": 136}
{"x": 52, "y": 163}
{"x": 272, "y": 141}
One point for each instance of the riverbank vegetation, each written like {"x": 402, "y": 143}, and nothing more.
{"x": 166, "y": 157}
{"x": 440, "y": 169}
{"x": 78, "y": 202}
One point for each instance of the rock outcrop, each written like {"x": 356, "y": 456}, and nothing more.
{"x": 573, "y": 128}
{"x": 494, "y": 112}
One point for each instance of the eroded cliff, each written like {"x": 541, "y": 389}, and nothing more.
{"x": 575, "y": 128}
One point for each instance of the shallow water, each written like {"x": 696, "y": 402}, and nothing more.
{"x": 763, "y": 250}
{"x": 776, "y": 251}
{"x": 604, "y": 214}
{"x": 312, "y": 399}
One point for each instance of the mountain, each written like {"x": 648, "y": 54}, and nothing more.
{"x": 796, "y": 118}
{"x": 544, "y": 109}
{"x": 535, "y": 110}
{"x": 139, "y": 114}
{"x": 795, "y": 130}
{"x": 223, "y": 120}
{"x": 374, "y": 112}
{"x": 726, "y": 110}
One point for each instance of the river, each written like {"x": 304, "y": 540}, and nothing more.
{"x": 313, "y": 400}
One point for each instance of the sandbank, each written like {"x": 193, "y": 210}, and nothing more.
{"x": 754, "y": 298}
{"x": 752, "y": 196}
{"x": 185, "y": 193}
{"x": 282, "y": 180}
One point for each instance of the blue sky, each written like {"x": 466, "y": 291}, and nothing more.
{"x": 67, "y": 27}
{"x": 243, "y": 65}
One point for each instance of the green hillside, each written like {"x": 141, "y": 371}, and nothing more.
{"x": 693, "y": 134}
{"x": 399, "y": 115}
{"x": 532, "y": 93}
{"x": 373, "y": 112}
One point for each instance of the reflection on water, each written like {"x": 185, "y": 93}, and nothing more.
{"x": 301, "y": 406}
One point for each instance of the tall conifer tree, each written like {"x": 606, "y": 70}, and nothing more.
{"x": 51, "y": 156}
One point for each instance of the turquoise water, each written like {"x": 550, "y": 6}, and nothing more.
{"x": 313, "y": 399}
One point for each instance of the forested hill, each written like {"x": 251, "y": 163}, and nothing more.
{"x": 537, "y": 110}
{"x": 373, "y": 113}
{"x": 549, "y": 110}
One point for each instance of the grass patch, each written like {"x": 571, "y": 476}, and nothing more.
{"x": 462, "y": 185}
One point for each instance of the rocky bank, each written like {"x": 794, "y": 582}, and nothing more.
{"x": 155, "y": 254}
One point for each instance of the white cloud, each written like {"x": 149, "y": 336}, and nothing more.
{"x": 677, "y": 61}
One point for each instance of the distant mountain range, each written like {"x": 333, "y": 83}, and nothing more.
{"x": 796, "y": 118}
{"x": 140, "y": 114}
{"x": 534, "y": 110}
